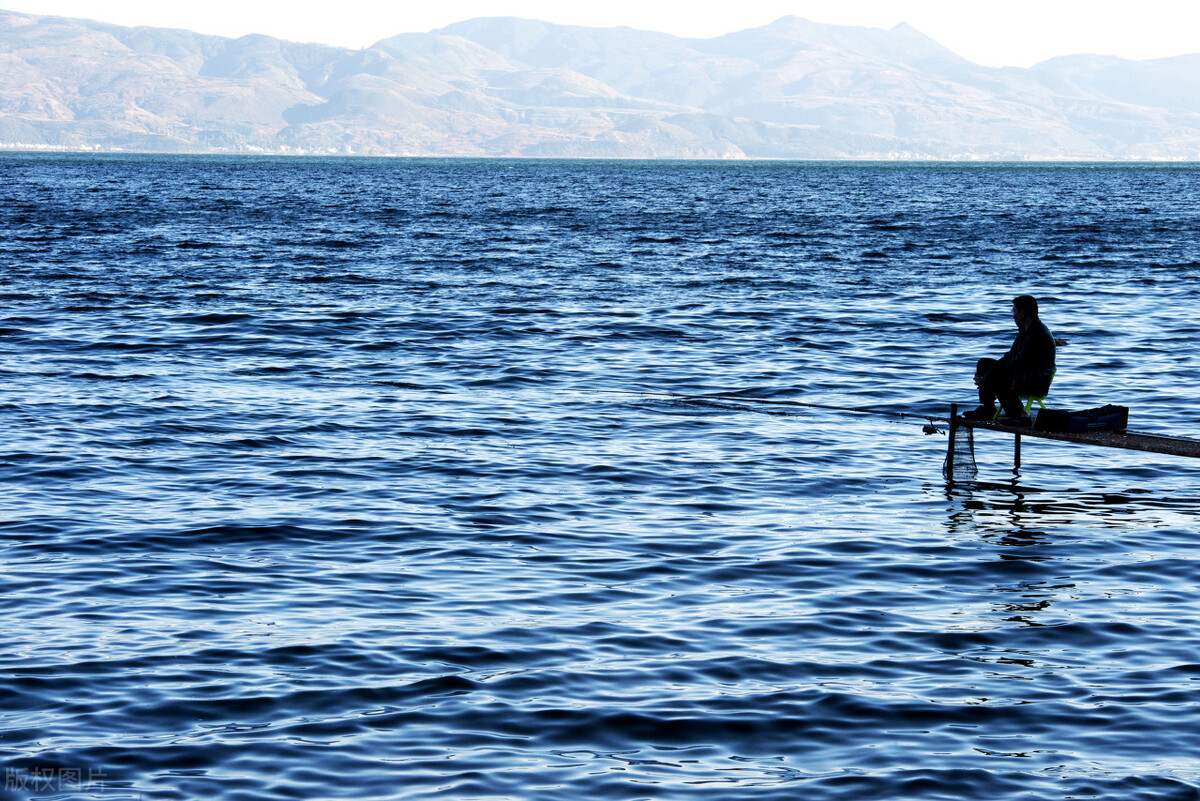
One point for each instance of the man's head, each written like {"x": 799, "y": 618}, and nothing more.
{"x": 1025, "y": 309}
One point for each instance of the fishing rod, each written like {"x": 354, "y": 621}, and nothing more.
{"x": 740, "y": 399}
{"x": 929, "y": 429}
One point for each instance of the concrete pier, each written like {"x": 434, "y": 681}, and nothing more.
{"x": 1128, "y": 440}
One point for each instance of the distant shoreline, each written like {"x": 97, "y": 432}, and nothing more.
{"x": 514, "y": 88}
{"x": 32, "y": 150}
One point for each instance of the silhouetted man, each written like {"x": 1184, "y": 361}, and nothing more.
{"x": 1026, "y": 369}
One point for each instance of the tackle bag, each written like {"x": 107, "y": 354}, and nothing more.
{"x": 1104, "y": 418}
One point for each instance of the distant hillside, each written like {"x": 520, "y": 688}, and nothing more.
{"x": 512, "y": 87}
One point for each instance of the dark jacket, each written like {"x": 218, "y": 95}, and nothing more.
{"x": 1031, "y": 359}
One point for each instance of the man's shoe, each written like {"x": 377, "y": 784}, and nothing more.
{"x": 1021, "y": 421}
{"x": 981, "y": 413}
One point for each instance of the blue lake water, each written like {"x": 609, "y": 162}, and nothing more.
{"x": 332, "y": 479}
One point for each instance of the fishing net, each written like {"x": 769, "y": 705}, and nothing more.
{"x": 960, "y": 456}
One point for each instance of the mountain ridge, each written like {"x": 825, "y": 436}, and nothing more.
{"x": 511, "y": 87}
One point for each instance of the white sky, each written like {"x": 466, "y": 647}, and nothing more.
{"x": 991, "y": 32}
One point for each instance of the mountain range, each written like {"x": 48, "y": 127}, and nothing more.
{"x": 793, "y": 89}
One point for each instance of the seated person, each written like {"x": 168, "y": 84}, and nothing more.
{"x": 1026, "y": 369}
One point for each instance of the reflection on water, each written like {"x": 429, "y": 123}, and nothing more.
{"x": 332, "y": 479}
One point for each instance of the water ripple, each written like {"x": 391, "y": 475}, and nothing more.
{"x": 335, "y": 479}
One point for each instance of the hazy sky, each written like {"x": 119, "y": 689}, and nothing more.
{"x": 991, "y": 32}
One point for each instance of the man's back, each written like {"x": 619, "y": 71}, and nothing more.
{"x": 1032, "y": 358}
